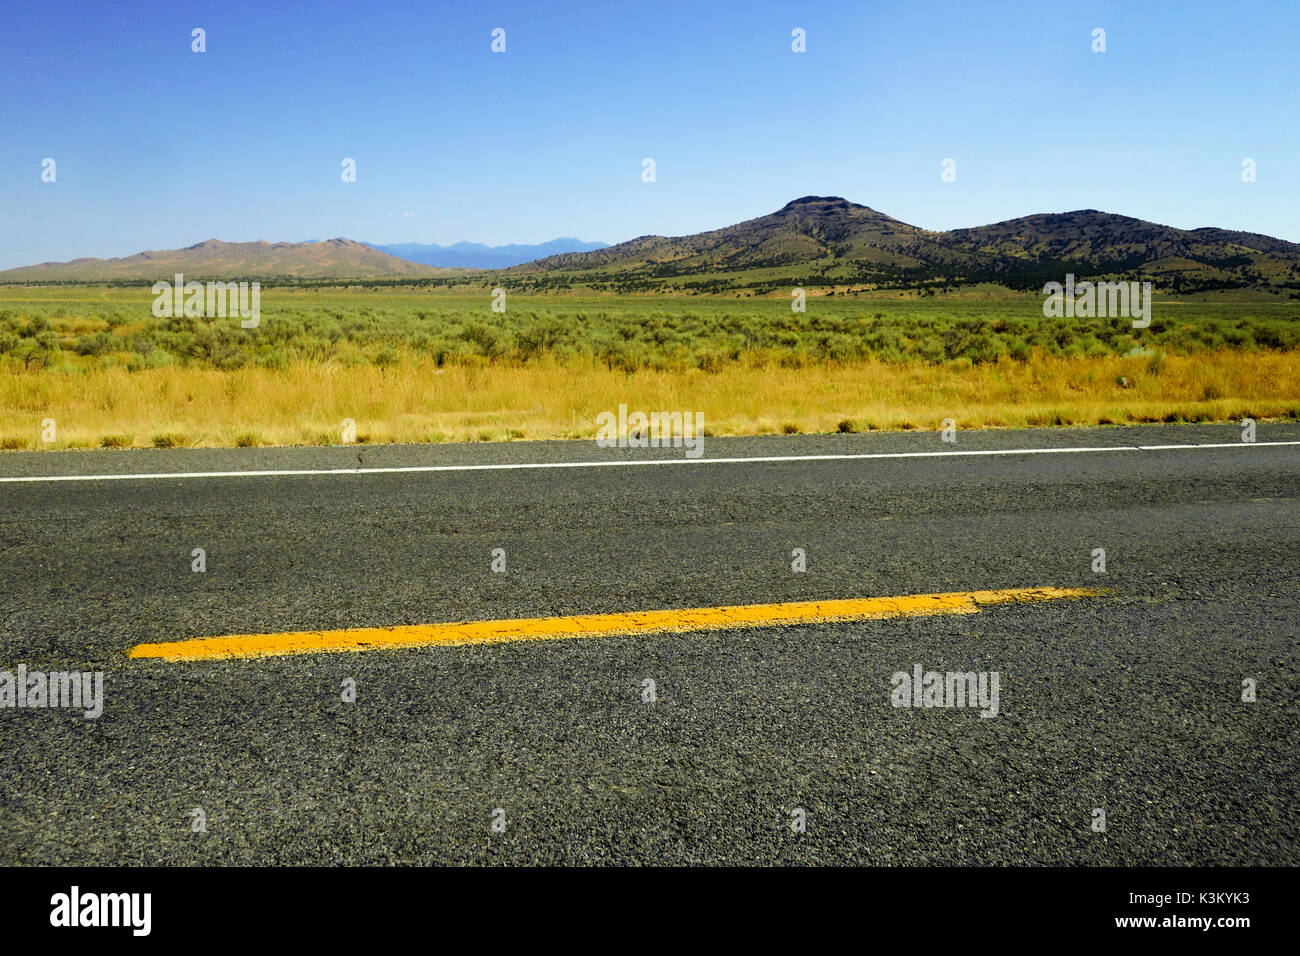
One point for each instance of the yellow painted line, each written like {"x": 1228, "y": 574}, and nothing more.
{"x": 595, "y": 625}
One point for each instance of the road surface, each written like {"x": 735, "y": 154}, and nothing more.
{"x": 762, "y": 744}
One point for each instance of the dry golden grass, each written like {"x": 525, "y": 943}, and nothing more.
{"x": 414, "y": 401}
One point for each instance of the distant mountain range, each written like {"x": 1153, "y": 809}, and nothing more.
{"x": 821, "y": 241}
{"x": 214, "y": 259}
{"x": 816, "y": 242}
{"x": 827, "y": 241}
{"x": 314, "y": 259}
{"x": 475, "y": 255}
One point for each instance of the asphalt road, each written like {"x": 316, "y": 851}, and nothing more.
{"x": 1130, "y": 702}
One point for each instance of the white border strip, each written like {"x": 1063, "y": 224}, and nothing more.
{"x": 290, "y": 472}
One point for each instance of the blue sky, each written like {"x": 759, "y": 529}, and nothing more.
{"x": 159, "y": 147}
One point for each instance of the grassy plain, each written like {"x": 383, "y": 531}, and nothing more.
{"x": 413, "y": 364}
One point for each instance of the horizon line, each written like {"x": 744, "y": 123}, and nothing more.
{"x": 806, "y": 197}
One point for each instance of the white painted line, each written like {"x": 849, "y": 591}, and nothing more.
{"x": 291, "y": 472}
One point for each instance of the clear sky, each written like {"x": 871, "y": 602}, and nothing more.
{"x": 159, "y": 147}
